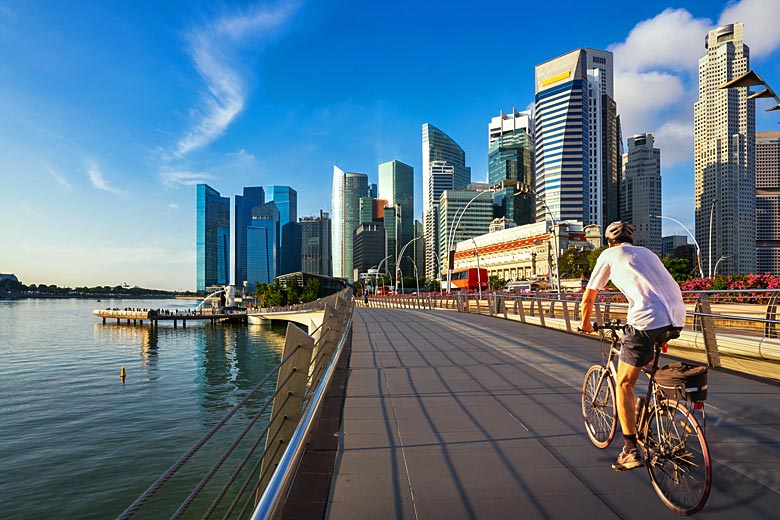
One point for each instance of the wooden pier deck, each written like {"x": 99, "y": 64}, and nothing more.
{"x": 154, "y": 316}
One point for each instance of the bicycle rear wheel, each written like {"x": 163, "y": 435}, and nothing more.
{"x": 677, "y": 457}
{"x": 598, "y": 406}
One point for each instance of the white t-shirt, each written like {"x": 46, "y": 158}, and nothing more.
{"x": 654, "y": 298}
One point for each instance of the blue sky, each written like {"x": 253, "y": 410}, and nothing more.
{"x": 110, "y": 114}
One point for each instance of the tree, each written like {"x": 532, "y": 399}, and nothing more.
{"x": 312, "y": 290}
{"x": 294, "y": 291}
{"x": 593, "y": 257}
{"x": 434, "y": 285}
{"x": 574, "y": 264}
{"x": 679, "y": 268}
{"x": 494, "y": 282}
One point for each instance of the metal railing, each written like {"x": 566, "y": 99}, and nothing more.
{"x": 735, "y": 329}
{"x": 254, "y": 479}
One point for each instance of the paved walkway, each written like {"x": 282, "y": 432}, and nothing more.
{"x": 451, "y": 415}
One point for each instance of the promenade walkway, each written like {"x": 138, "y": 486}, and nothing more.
{"x": 452, "y": 415}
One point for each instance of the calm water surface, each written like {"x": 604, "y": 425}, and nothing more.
{"x": 75, "y": 442}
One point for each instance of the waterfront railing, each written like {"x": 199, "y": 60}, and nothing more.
{"x": 734, "y": 329}
{"x": 252, "y": 476}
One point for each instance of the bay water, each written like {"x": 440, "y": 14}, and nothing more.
{"x": 76, "y": 441}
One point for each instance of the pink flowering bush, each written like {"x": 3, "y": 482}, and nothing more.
{"x": 734, "y": 282}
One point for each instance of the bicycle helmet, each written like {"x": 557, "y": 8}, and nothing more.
{"x": 619, "y": 232}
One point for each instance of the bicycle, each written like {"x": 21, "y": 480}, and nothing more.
{"x": 672, "y": 441}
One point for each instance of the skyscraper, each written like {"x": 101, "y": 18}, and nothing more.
{"x": 348, "y": 188}
{"x": 641, "y": 198}
{"x": 262, "y": 245}
{"x": 438, "y": 146}
{"x": 724, "y": 156}
{"x": 396, "y": 185}
{"x": 473, "y": 222}
{"x": 511, "y": 165}
{"x": 286, "y": 200}
{"x": 315, "y": 245}
{"x": 768, "y": 202}
{"x": 242, "y": 217}
{"x": 441, "y": 177}
{"x": 212, "y": 238}
{"x": 578, "y": 144}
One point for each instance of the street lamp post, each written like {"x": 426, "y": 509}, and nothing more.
{"x": 479, "y": 271}
{"x": 398, "y": 261}
{"x": 695, "y": 243}
{"x": 450, "y": 242}
{"x": 528, "y": 191}
{"x": 715, "y": 271}
{"x": 416, "y": 276}
{"x": 379, "y": 268}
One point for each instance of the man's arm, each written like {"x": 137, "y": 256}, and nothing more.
{"x": 586, "y": 307}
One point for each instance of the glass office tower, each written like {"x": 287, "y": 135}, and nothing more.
{"x": 348, "y": 188}
{"x": 253, "y": 196}
{"x": 286, "y": 200}
{"x": 315, "y": 245}
{"x": 263, "y": 245}
{"x": 212, "y": 238}
{"x": 440, "y": 148}
{"x": 396, "y": 185}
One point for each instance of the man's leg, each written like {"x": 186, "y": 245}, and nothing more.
{"x": 629, "y": 457}
{"x": 626, "y": 379}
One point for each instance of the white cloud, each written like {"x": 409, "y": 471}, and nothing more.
{"x": 173, "y": 206}
{"x": 98, "y": 181}
{"x": 760, "y": 18}
{"x": 213, "y": 49}
{"x": 243, "y": 156}
{"x": 656, "y": 70}
{"x": 184, "y": 178}
{"x": 57, "y": 176}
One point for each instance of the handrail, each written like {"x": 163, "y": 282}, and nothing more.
{"x": 294, "y": 354}
{"x": 280, "y": 481}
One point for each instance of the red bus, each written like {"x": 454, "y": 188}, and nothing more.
{"x": 470, "y": 279}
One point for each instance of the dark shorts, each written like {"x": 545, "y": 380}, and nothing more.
{"x": 637, "y": 349}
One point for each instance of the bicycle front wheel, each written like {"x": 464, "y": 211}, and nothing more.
{"x": 677, "y": 457}
{"x": 598, "y": 406}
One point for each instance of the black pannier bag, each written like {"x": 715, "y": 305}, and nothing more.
{"x": 683, "y": 381}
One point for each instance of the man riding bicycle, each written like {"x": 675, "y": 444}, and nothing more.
{"x": 655, "y": 305}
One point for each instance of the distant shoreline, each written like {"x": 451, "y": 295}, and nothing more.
{"x": 94, "y": 297}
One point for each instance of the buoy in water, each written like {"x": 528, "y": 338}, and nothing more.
{"x": 122, "y": 374}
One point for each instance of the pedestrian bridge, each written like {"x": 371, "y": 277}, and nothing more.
{"x": 460, "y": 415}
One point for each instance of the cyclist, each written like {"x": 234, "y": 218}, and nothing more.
{"x": 655, "y": 305}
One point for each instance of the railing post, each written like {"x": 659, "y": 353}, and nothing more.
{"x": 288, "y": 403}
{"x": 770, "y": 327}
{"x": 519, "y": 305}
{"x": 564, "y": 305}
{"x": 541, "y": 312}
{"x": 708, "y": 331}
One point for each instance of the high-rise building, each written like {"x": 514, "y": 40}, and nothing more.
{"x": 242, "y": 217}
{"x": 315, "y": 245}
{"x": 262, "y": 245}
{"x": 419, "y": 249}
{"x": 396, "y": 185}
{"x": 438, "y": 147}
{"x": 441, "y": 178}
{"x": 578, "y": 143}
{"x": 641, "y": 187}
{"x": 670, "y": 243}
{"x": 768, "y": 202}
{"x": 511, "y": 166}
{"x": 212, "y": 246}
{"x": 724, "y": 156}
{"x": 370, "y": 247}
{"x": 286, "y": 200}
{"x": 348, "y": 188}
{"x": 473, "y": 222}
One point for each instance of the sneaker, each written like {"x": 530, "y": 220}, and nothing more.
{"x": 628, "y": 460}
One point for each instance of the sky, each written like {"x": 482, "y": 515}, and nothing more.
{"x": 110, "y": 114}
